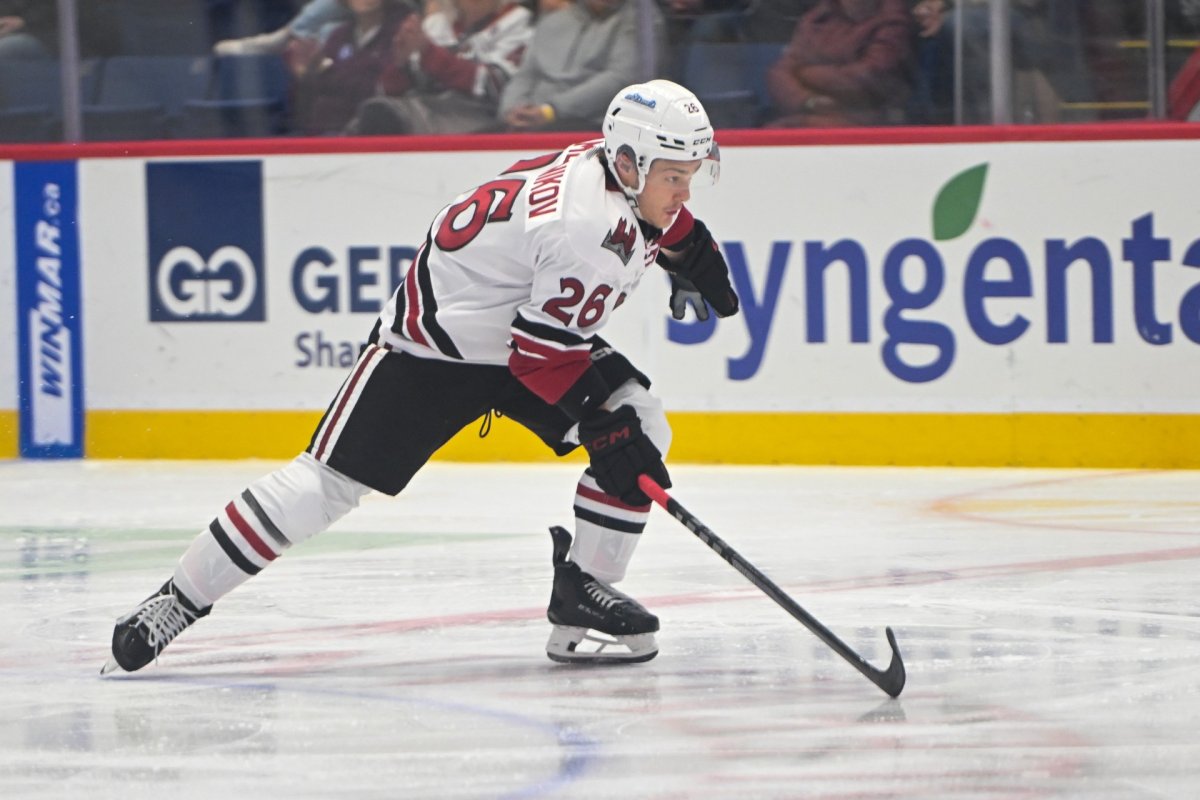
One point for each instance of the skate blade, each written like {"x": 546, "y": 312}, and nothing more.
{"x": 601, "y": 658}
{"x": 563, "y": 647}
{"x": 110, "y": 666}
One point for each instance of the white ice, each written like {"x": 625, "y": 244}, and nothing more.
{"x": 1049, "y": 621}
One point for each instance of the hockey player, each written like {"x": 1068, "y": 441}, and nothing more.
{"x": 500, "y": 310}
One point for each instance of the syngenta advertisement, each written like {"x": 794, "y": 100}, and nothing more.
{"x": 1055, "y": 277}
{"x": 914, "y": 274}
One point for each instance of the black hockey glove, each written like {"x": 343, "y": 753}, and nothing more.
{"x": 620, "y": 452}
{"x": 703, "y": 270}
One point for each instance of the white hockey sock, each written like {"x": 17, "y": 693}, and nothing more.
{"x": 607, "y": 531}
{"x": 275, "y": 512}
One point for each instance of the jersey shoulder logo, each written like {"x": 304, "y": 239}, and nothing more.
{"x": 621, "y": 241}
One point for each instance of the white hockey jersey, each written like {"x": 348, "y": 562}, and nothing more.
{"x": 526, "y": 268}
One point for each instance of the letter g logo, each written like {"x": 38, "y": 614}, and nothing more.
{"x": 223, "y": 286}
{"x": 205, "y": 254}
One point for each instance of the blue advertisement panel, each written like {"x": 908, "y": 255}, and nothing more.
{"x": 49, "y": 326}
{"x": 205, "y": 234}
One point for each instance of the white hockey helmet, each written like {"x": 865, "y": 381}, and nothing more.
{"x": 660, "y": 119}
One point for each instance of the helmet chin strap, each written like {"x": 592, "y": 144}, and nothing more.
{"x": 633, "y": 203}
{"x": 631, "y": 194}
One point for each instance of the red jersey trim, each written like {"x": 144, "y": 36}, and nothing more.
{"x": 548, "y": 377}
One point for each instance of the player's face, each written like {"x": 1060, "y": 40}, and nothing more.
{"x": 668, "y": 187}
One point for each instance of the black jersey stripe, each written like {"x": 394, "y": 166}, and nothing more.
{"x": 401, "y": 295}
{"x": 429, "y": 306}
{"x": 231, "y": 550}
{"x": 266, "y": 522}
{"x": 611, "y": 523}
{"x": 550, "y": 333}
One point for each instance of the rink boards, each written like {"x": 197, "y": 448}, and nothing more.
{"x": 908, "y": 297}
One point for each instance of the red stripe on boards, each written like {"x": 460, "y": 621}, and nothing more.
{"x": 248, "y": 533}
{"x": 1134, "y": 130}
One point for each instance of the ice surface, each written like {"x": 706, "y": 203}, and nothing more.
{"x": 1049, "y": 620}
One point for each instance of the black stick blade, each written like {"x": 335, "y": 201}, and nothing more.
{"x": 892, "y": 679}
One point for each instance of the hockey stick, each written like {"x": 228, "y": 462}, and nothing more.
{"x": 890, "y": 680}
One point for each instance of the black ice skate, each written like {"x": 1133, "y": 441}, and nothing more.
{"x": 581, "y": 605}
{"x": 142, "y": 634}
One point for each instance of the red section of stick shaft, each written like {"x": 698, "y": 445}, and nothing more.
{"x": 653, "y": 490}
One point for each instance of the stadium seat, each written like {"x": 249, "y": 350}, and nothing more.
{"x": 221, "y": 119}
{"x": 37, "y": 82}
{"x": 259, "y": 77}
{"x": 249, "y": 97}
{"x": 124, "y": 123}
{"x": 31, "y": 98}
{"x": 136, "y": 84}
{"x": 730, "y": 79}
{"x": 169, "y": 81}
{"x": 162, "y": 27}
{"x": 28, "y": 124}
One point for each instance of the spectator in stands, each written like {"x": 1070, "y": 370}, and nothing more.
{"x": 334, "y": 78}
{"x": 314, "y": 21}
{"x": 543, "y": 7}
{"x": 756, "y": 21}
{"x": 849, "y": 63}
{"x": 1047, "y": 56}
{"x": 448, "y": 69}
{"x": 580, "y": 56}
{"x": 1189, "y": 10}
{"x": 932, "y": 100}
{"x": 774, "y": 20}
{"x": 703, "y": 20}
{"x": 930, "y": 16}
{"x": 1048, "y": 59}
{"x": 1183, "y": 91}
{"x": 690, "y": 21}
{"x": 28, "y": 28}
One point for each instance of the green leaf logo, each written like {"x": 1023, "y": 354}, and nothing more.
{"x": 958, "y": 203}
